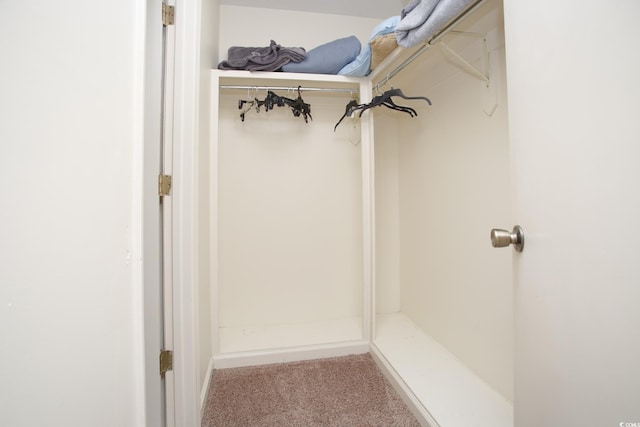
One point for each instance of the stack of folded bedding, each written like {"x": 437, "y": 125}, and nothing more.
{"x": 328, "y": 58}
{"x": 378, "y": 46}
{"x": 422, "y": 19}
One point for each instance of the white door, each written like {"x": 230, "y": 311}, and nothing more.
{"x": 574, "y": 105}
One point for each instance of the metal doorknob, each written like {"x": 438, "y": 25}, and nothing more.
{"x": 502, "y": 238}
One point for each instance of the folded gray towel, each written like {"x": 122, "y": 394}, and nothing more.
{"x": 270, "y": 58}
{"x": 422, "y": 19}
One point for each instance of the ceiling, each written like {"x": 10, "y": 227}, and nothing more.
{"x": 381, "y": 9}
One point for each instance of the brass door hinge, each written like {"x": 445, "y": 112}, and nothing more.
{"x": 166, "y": 361}
{"x": 164, "y": 185}
{"x": 168, "y": 14}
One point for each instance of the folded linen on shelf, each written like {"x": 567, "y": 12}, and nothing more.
{"x": 361, "y": 66}
{"x": 422, "y": 19}
{"x": 328, "y": 58}
{"x": 381, "y": 47}
{"x": 270, "y": 58}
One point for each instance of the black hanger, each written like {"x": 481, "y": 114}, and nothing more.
{"x": 392, "y": 105}
{"x": 385, "y": 99}
{"x": 270, "y": 101}
{"x": 349, "y": 109}
{"x": 299, "y": 107}
{"x": 398, "y": 92}
{"x": 273, "y": 100}
{"x": 249, "y": 105}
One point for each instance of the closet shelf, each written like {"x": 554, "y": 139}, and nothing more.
{"x": 302, "y": 88}
{"x": 266, "y": 76}
{"x": 450, "y": 391}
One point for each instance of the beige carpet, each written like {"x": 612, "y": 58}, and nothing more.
{"x": 342, "y": 391}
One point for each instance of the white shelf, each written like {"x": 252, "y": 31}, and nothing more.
{"x": 257, "y": 76}
{"x": 451, "y": 393}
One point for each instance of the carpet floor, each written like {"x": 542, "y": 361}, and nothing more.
{"x": 341, "y": 391}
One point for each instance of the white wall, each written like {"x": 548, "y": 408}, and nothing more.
{"x": 454, "y": 187}
{"x": 290, "y": 216}
{"x": 387, "y": 209}
{"x": 70, "y": 287}
{"x": 249, "y": 26}
{"x": 375, "y": 9}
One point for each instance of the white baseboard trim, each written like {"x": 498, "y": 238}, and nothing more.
{"x": 266, "y": 357}
{"x": 205, "y": 388}
{"x": 415, "y": 406}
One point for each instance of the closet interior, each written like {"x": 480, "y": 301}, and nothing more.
{"x": 372, "y": 236}
{"x": 289, "y": 217}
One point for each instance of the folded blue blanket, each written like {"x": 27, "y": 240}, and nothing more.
{"x": 361, "y": 65}
{"x": 328, "y": 58}
{"x": 270, "y": 58}
{"x": 422, "y": 19}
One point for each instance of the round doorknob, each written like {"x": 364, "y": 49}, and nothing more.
{"x": 502, "y": 238}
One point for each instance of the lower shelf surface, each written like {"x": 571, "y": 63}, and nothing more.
{"x": 453, "y": 394}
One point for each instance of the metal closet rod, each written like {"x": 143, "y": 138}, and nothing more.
{"x": 289, "y": 88}
{"x": 429, "y": 43}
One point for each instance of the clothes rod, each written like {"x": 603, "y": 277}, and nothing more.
{"x": 429, "y": 43}
{"x": 291, "y": 88}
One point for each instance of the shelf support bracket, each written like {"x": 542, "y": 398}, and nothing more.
{"x": 466, "y": 64}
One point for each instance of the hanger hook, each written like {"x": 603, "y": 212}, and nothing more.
{"x": 387, "y": 80}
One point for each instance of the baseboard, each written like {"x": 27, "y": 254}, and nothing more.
{"x": 415, "y": 406}
{"x": 265, "y": 357}
{"x": 205, "y": 388}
